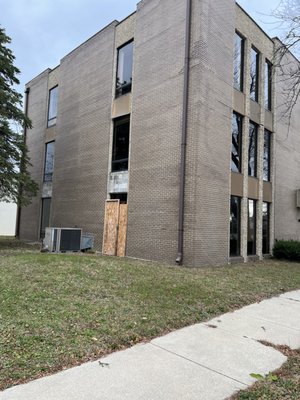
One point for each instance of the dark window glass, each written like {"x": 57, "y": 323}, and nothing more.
{"x": 267, "y": 156}
{"x": 46, "y": 204}
{"x": 268, "y": 85}
{"x": 49, "y": 162}
{"x": 236, "y": 146}
{"x": 266, "y": 229}
{"x": 254, "y": 73}
{"x": 124, "y": 72}
{"x": 119, "y": 196}
{"x": 235, "y": 225}
{"x": 120, "y": 144}
{"x": 238, "y": 63}
{"x": 251, "y": 245}
{"x": 252, "y": 150}
{"x": 52, "y": 106}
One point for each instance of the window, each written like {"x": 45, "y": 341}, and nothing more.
{"x": 267, "y": 156}
{"x": 52, "y": 106}
{"x": 254, "y": 73}
{"x": 236, "y": 146}
{"x": 124, "y": 69}
{"x": 238, "y": 62}
{"x": 252, "y": 150}
{"x": 268, "y": 85}
{"x": 266, "y": 228}
{"x": 251, "y": 242}
{"x": 235, "y": 225}
{"x": 49, "y": 162}
{"x": 120, "y": 144}
{"x": 119, "y": 196}
{"x": 45, "y": 219}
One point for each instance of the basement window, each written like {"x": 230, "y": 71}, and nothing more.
{"x": 251, "y": 240}
{"x": 120, "y": 144}
{"x": 124, "y": 69}
{"x": 235, "y": 226}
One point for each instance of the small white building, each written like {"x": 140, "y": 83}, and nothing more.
{"x": 8, "y": 213}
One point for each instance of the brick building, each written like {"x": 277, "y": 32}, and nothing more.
{"x": 174, "y": 111}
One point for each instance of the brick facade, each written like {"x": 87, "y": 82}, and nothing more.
{"x": 83, "y": 134}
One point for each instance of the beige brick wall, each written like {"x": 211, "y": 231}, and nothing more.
{"x": 37, "y": 112}
{"x": 83, "y": 132}
{"x": 287, "y": 172}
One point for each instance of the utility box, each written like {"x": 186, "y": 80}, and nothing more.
{"x": 62, "y": 239}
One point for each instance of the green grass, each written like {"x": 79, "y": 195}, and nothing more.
{"x": 61, "y": 310}
{"x": 285, "y": 386}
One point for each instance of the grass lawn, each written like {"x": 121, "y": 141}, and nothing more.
{"x": 61, "y": 310}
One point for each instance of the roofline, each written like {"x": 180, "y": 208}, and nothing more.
{"x": 128, "y": 16}
{"x": 253, "y": 20}
{"x": 37, "y": 76}
{"x": 276, "y": 38}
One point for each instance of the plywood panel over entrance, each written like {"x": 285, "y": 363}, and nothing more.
{"x": 115, "y": 228}
{"x": 122, "y": 230}
{"x": 110, "y": 233}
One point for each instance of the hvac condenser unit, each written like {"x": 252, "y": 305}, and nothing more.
{"x": 62, "y": 239}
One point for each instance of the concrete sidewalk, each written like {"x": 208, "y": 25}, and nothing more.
{"x": 208, "y": 361}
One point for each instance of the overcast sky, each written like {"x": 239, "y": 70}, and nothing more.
{"x": 43, "y": 31}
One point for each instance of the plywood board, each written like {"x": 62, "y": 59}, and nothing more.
{"x": 122, "y": 230}
{"x": 110, "y": 233}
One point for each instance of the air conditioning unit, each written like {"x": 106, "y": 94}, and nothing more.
{"x": 62, "y": 239}
{"x": 298, "y": 198}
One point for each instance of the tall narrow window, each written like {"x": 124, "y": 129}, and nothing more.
{"x": 238, "y": 62}
{"x": 251, "y": 245}
{"x": 267, "y": 156}
{"x": 266, "y": 228}
{"x": 254, "y": 74}
{"x": 45, "y": 219}
{"x": 120, "y": 144}
{"x": 124, "y": 71}
{"x": 268, "y": 85}
{"x": 252, "y": 150}
{"x": 236, "y": 146}
{"x": 49, "y": 162}
{"x": 52, "y": 106}
{"x": 235, "y": 225}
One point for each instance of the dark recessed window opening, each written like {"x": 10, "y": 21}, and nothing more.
{"x": 266, "y": 228}
{"x": 235, "y": 226}
{"x": 49, "y": 162}
{"x": 52, "y": 106}
{"x": 238, "y": 63}
{"x": 268, "y": 85}
{"x": 120, "y": 144}
{"x": 267, "y": 156}
{"x": 254, "y": 74}
{"x": 119, "y": 196}
{"x": 236, "y": 146}
{"x": 251, "y": 242}
{"x": 124, "y": 69}
{"x": 45, "y": 218}
{"x": 252, "y": 150}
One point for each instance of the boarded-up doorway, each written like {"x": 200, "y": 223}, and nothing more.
{"x": 115, "y": 228}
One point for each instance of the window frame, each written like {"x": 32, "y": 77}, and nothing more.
{"x": 240, "y": 143}
{"x": 254, "y": 250}
{"x": 255, "y": 149}
{"x": 231, "y": 232}
{"x": 45, "y": 162}
{"x": 268, "y": 85}
{"x": 266, "y": 247}
{"x": 116, "y": 122}
{"x": 52, "y": 121}
{"x": 240, "y": 85}
{"x": 257, "y": 71}
{"x": 269, "y": 148}
{"x": 42, "y": 231}
{"x": 120, "y": 91}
